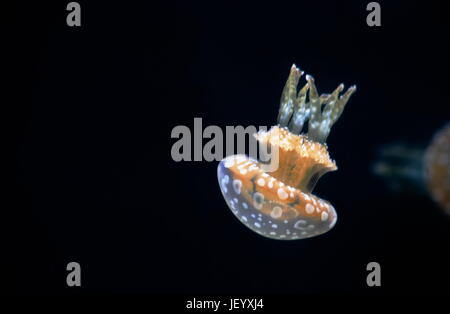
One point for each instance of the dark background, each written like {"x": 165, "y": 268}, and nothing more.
{"x": 92, "y": 113}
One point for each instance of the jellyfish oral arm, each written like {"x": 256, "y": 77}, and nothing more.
{"x": 321, "y": 111}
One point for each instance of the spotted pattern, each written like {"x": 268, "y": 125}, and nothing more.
{"x": 276, "y": 212}
{"x": 282, "y": 194}
{"x": 309, "y": 208}
{"x": 258, "y": 200}
{"x": 261, "y": 182}
{"x": 237, "y": 186}
{"x": 269, "y": 207}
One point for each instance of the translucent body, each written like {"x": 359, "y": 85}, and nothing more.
{"x": 280, "y": 204}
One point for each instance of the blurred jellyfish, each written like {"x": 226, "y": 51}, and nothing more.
{"x": 412, "y": 168}
{"x": 437, "y": 168}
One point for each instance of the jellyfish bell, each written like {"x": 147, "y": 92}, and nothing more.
{"x": 280, "y": 204}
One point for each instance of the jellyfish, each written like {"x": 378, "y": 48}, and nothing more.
{"x": 418, "y": 169}
{"x": 279, "y": 204}
{"x": 437, "y": 168}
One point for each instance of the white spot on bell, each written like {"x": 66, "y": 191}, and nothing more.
{"x": 300, "y": 224}
{"x": 258, "y": 200}
{"x": 276, "y": 212}
{"x": 224, "y": 183}
{"x": 324, "y": 216}
{"x": 309, "y": 208}
{"x": 282, "y": 194}
{"x": 261, "y": 182}
{"x": 237, "y": 186}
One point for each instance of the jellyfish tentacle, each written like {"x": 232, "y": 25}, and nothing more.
{"x": 340, "y": 104}
{"x": 326, "y": 119}
{"x": 333, "y": 110}
{"x": 288, "y": 96}
{"x": 333, "y": 105}
{"x": 321, "y": 112}
{"x": 331, "y": 101}
{"x": 316, "y": 103}
{"x": 301, "y": 111}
